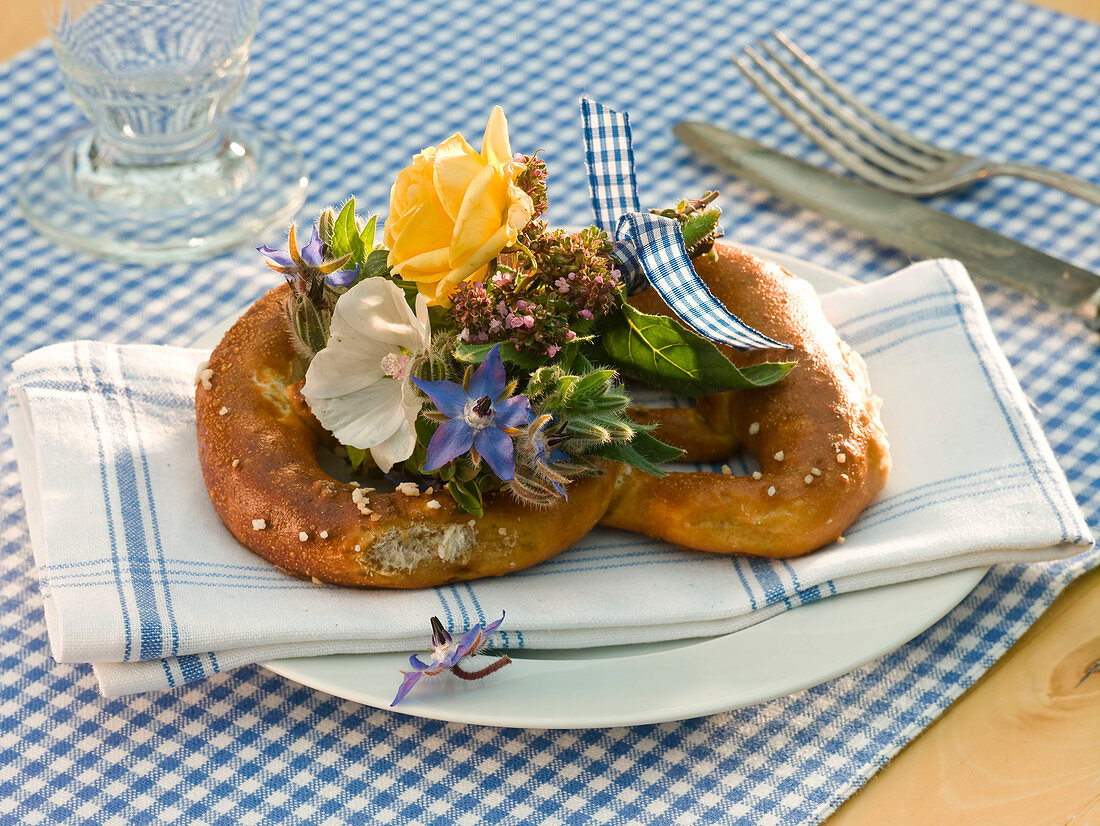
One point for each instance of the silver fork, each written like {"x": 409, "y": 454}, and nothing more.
{"x": 865, "y": 142}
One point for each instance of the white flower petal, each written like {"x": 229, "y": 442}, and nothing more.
{"x": 376, "y": 309}
{"x": 344, "y": 366}
{"x": 346, "y": 386}
{"x": 424, "y": 330}
{"x": 366, "y": 417}
{"x": 397, "y": 448}
{"x": 400, "y": 446}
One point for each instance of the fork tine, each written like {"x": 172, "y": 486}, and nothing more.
{"x": 835, "y": 148}
{"x": 848, "y": 99}
{"x": 851, "y": 141}
{"x": 839, "y": 110}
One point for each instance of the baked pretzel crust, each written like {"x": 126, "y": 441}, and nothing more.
{"x": 817, "y": 434}
{"x": 259, "y": 462}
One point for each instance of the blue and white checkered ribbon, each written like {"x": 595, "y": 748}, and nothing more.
{"x": 650, "y": 248}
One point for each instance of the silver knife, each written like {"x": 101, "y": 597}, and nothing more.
{"x": 896, "y": 220}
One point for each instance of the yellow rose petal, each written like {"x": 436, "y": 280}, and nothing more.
{"x": 435, "y": 293}
{"x": 495, "y": 146}
{"x": 521, "y": 209}
{"x": 456, "y": 166}
{"x": 429, "y": 228}
{"x": 439, "y": 291}
{"x": 481, "y": 215}
{"x": 480, "y": 257}
{"x": 434, "y": 263}
{"x": 421, "y": 277}
{"x": 395, "y": 225}
{"x": 453, "y": 210}
{"x": 406, "y": 194}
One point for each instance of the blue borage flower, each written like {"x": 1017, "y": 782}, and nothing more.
{"x": 447, "y": 656}
{"x": 479, "y": 420}
{"x": 303, "y": 267}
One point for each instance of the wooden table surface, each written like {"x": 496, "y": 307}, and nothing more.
{"x": 1020, "y": 747}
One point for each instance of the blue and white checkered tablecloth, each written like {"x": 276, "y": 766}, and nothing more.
{"x": 360, "y": 87}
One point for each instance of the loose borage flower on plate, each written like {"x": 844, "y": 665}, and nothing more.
{"x": 448, "y": 655}
{"x": 478, "y": 348}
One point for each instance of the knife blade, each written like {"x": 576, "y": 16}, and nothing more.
{"x": 896, "y": 220}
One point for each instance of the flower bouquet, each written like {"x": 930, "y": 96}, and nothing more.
{"x": 475, "y": 349}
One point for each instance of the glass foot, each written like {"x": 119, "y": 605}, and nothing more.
{"x": 250, "y": 183}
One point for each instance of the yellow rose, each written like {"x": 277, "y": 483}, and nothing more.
{"x": 453, "y": 210}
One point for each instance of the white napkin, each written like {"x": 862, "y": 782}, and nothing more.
{"x": 140, "y": 577}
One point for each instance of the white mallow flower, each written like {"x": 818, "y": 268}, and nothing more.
{"x": 358, "y": 386}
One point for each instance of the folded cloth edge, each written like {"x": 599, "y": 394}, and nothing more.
{"x": 957, "y": 273}
{"x": 952, "y": 270}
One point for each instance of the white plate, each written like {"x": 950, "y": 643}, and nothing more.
{"x": 653, "y": 683}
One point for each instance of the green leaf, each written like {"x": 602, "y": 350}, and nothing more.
{"x": 580, "y": 362}
{"x": 570, "y": 358}
{"x": 467, "y": 495}
{"x": 356, "y": 456}
{"x": 366, "y": 237}
{"x": 663, "y": 352}
{"x": 438, "y": 317}
{"x": 425, "y": 429}
{"x": 375, "y": 266}
{"x": 476, "y": 353}
{"x": 345, "y": 236}
{"x": 344, "y": 222}
{"x": 644, "y": 452}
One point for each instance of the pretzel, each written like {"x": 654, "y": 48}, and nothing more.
{"x": 817, "y": 435}
{"x": 822, "y": 450}
{"x": 258, "y": 451}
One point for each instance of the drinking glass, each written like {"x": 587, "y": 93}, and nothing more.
{"x": 162, "y": 173}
